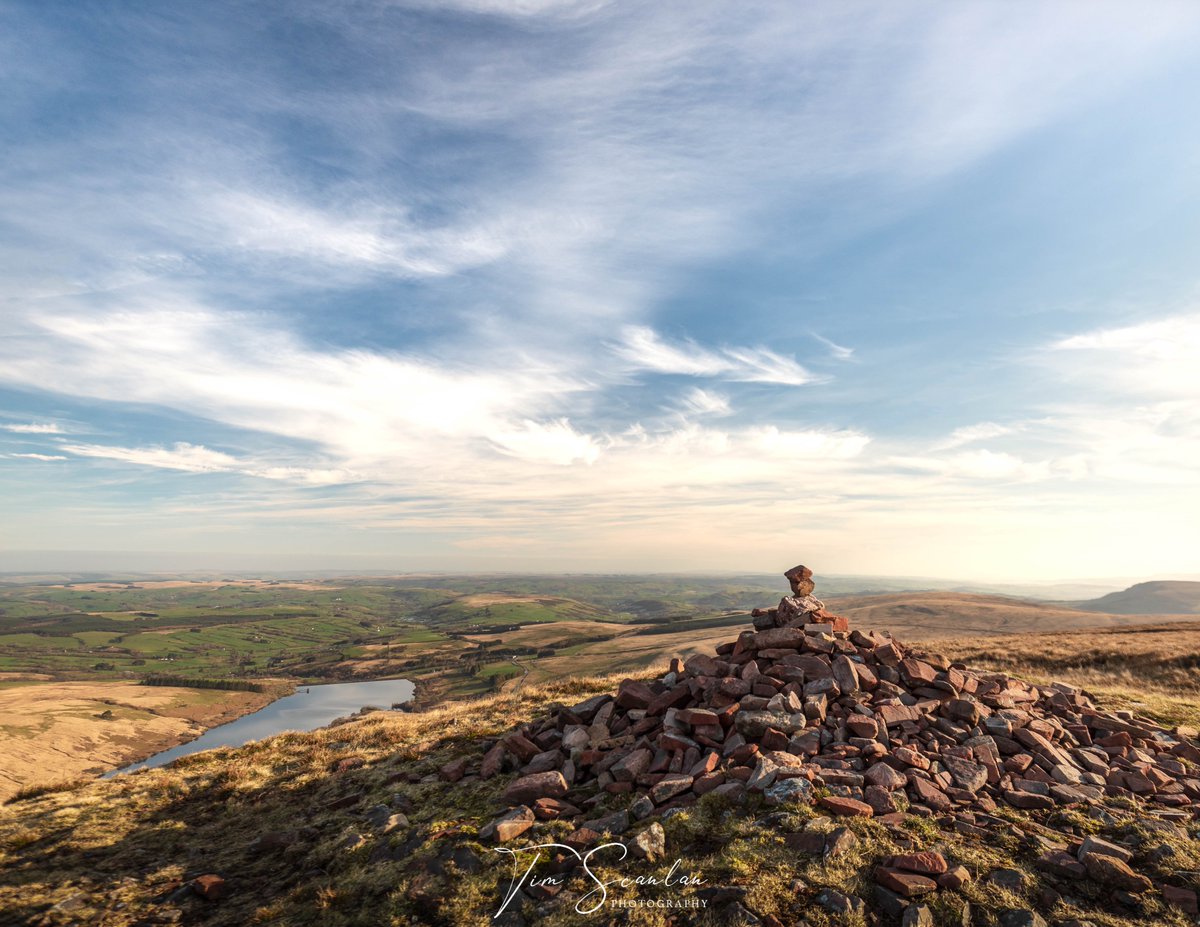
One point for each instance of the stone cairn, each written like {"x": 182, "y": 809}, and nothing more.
{"x": 802, "y": 709}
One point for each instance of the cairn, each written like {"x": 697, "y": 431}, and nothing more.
{"x": 803, "y": 709}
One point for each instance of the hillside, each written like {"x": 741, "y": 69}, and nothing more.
{"x": 1164, "y": 597}
{"x": 948, "y": 613}
{"x": 357, "y": 825}
{"x": 452, "y": 642}
{"x": 55, "y": 730}
{"x": 979, "y": 813}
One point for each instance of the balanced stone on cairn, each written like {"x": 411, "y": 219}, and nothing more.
{"x": 801, "y": 580}
{"x": 799, "y": 608}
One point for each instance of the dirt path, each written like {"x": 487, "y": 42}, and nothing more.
{"x": 524, "y": 673}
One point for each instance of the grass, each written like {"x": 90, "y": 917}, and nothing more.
{"x": 126, "y": 843}
{"x": 48, "y": 788}
{"x": 499, "y": 669}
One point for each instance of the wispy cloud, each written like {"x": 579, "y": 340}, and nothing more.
{"x": 969, "y": 434}
{"x": 555, "y": 442}
{"x": 698, "y": 401}
{"x": 386, "y": 412}
{"x": 1155, "y": 358}
{"x": 837, "y": 351}
{"x": 195, "y": 458}
{"x": 1128, "y": 401}
{"x": 34, "y": 428}
{"x": 367, "y": 236}
{"x": 985, "y": 465}
{"x": 32, "y": 456}
{"x": 643, "y": 349}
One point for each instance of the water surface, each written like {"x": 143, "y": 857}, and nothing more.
{"x": 307, "y": 709}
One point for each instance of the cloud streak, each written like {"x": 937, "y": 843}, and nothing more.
{"x": 644, "y": 350}
{"x": 195, "y": 458}
{"x": 969, "y": 434}
{"x": 34, "y": 428}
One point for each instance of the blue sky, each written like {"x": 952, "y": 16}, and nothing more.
{"x": 579, "y": 285}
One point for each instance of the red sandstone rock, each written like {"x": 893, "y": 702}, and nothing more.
{"x": 509, "y": 825}
{"x": 1108, "y": 870}
{"x": 210, "y": 887}
{"x": 846, "y": 806}
{"x": 907, "y": 884}
{"x": 1061, "y": 863}
{"x": 520, "y": 746}
{"x": 539, "y": 785}
{"x": 924, "y": 863}
{"x": 929, "y": 794}
{"x": 1182, "y": 898}
{"x": 885, "y": 777}
{"x": 492, "y": 761}
{"x": 954, "y": 878}
{"x": 669, "y": 787}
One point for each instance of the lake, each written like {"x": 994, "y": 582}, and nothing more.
{"x": 307, "y": 709}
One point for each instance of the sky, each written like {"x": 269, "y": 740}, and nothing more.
{"x": 587, "y": 286}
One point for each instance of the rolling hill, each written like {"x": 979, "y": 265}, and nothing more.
{"x": 918, "y": 614}
{"x": 1162, "y": 597}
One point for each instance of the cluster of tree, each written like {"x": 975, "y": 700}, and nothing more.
{"x": 235, "y": 685}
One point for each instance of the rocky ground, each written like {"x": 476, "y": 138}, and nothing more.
{"x": 805, "y": 711}
{"x": 804, "y": 773}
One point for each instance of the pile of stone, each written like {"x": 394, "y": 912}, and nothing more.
{"x": 804, "y": 709}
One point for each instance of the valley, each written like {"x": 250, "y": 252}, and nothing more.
{"x": 71, "y": 651}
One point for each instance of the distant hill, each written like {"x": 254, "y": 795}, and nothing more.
{"x": 937, "y": 614}
{"x": 1164, "y": 597}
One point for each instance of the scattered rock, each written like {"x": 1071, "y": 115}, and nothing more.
{"x": 836, "y": 903}
{"x": 954, "y": 878}
{"x": 454, "y": 770}
{"x": 509, "y": 825}
{"x": 908, "y": 884}
{"x": 1182, "y": 898}
{"x": 926, "y": 863}
{"x": 538, "y": 785}
{"x": 917, "y": 915}
{"x": 846, "y": 806}
{"x": 1108, "y": 870}
{"x": 210, "y": 887}
{"x": 651, "y": 843}
{"x": 789, "y": 790}
{"x": 1021, "y": 917}
{"x": 1061, "y": 863}
{"x": 1093, "y": 844}
{"x": 842, "y": 840}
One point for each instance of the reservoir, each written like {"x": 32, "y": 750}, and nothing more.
{"x": 307, "y": 709}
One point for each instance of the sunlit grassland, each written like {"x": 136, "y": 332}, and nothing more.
{"x": 123, "y": 844}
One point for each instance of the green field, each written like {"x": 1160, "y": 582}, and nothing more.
{"x": 461, "y": 631}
